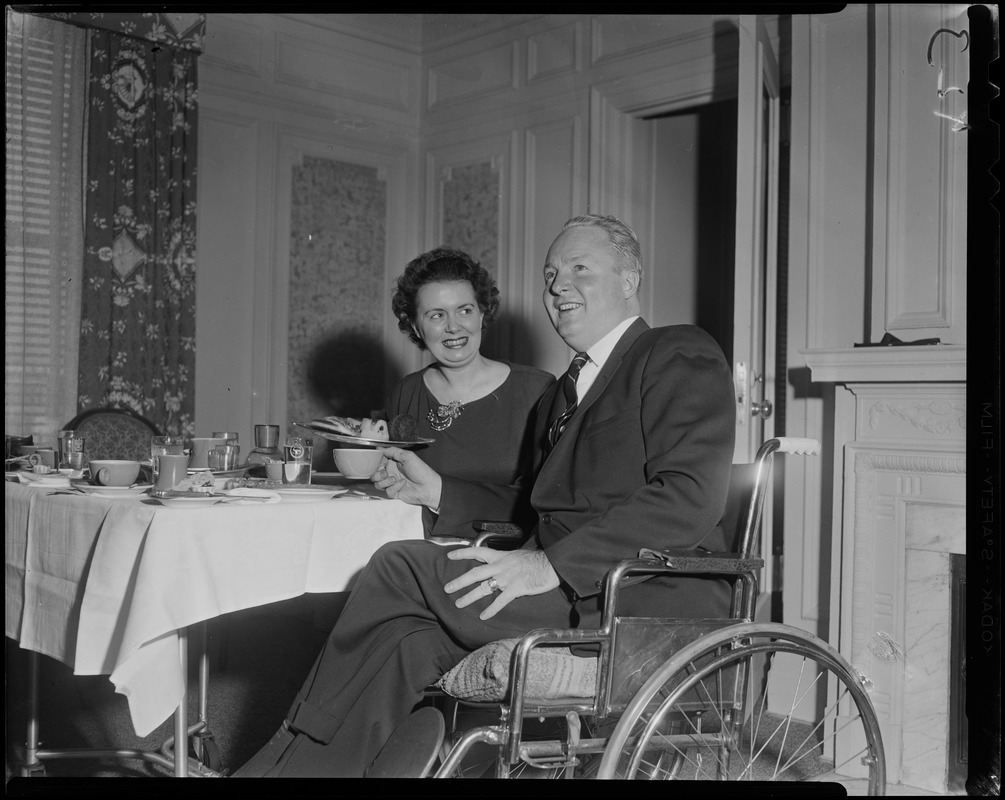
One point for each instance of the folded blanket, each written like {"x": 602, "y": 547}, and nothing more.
{"x": 552, "y": 673}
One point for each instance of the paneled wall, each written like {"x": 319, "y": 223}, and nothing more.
{"x": 546, "y": 101}
{"x": 479, "y": 132}
{"x": 308, "y": 186}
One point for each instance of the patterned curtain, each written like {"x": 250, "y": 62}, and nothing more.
{"x": 137, "y": 347}
{"x": 182, "y": 30}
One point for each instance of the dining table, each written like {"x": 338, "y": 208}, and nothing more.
{"x": 110, "y": 585}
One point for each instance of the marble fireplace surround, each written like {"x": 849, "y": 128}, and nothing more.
{"x": 900, "y": 489}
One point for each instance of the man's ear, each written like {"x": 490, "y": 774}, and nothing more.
{"x": 630, "y": 280}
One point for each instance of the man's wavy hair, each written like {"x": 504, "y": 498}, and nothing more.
{"x": 440, "y": 265}
{"x": 623, "y": 239}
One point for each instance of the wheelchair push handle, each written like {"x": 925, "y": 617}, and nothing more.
{"x": 794, "y": 445}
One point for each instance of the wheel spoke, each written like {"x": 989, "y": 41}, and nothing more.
{"x": 713, "y": 717}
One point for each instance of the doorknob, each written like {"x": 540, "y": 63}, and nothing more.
{"x": 763, "y": 409}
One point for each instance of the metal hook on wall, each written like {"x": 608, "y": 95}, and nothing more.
{"x": 958, "y": 34}
{"x": 931, "y": 45}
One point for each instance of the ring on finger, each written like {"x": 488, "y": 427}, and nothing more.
{"x": 493, "y": 585}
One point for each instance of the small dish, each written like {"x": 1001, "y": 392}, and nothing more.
{"x": 195, "y": 500}
{"x": 111, "y": 491}
{"x": 307, "y": 493}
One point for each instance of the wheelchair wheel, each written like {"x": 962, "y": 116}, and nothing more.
{"x": 709, "y": 713}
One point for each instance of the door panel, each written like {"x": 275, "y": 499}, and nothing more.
{"x": 754, "y": 322}
{"x": 756, "y": 237}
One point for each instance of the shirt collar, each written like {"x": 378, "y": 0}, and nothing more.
{"x": 601, "y": 351}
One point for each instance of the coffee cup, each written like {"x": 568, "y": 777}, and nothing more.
{"x": 115, "y": 473}
{"x": 200, "y": 450}
{"x": 172, "y": 470}
{"x": 274, "y": 470}
{"x": 43, "y": 456}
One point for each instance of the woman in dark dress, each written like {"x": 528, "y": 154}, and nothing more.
{"x": 480, "y": 413}
{"x": 478, "y": 410}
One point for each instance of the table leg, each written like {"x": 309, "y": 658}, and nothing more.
{"x": 35, "y": 756}
{"x": 181, "y": 713}
{"x": 32, "y": 764}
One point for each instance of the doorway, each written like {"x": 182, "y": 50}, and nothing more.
{"x": 694, "y": 213}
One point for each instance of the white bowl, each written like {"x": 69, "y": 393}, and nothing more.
{"x": 357, "y": 463}
{"x": 110, "y": 472}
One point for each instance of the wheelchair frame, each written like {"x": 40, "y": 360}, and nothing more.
{"x": 649, "y": 695}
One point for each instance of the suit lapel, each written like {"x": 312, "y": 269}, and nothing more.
{"x": 635, "y": 330}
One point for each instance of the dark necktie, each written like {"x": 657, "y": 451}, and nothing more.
{"x": 571, "y": 397}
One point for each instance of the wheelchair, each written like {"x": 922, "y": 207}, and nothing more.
{"x": 667, "y": 699}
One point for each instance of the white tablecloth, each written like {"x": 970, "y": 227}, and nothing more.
{"x": 105, "y": 585}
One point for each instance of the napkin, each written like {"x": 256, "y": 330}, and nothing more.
{"x": 51, "y": 479}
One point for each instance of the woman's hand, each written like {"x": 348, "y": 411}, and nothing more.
{"x": 405, "y": 476}
{"x": 508, "y": 574}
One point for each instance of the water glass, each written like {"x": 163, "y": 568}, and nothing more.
{"x": 228, "y": 436}
{"x": 267, "y": 437}
{"x": 70, "y": 452}
{"x": 224, "y": 457}
{"x": 298, "y": 452}
{"x": 172, "y": 470}
{"x": 164, "y": 446}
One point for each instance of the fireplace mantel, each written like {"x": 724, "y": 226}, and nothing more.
{"x": 896, "y": 364}
{"x": 899, "y": 474}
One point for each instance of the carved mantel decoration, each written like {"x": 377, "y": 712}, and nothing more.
{"x": 937, "y": 416}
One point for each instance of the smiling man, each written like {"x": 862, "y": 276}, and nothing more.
{"x": 635, "y": 443}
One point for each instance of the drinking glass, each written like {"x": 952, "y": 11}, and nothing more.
{"x": 229, "y": 436}
{"x": 164, "y": 446}
{"x": 70, "y": 453}
{"x": 298, "y": 452}
{"x": 224, "y": 457}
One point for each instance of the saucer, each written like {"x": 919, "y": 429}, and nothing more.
{"x": 189, "y": 502}
{"x": 111, "y": 491}
{"x": 306, "y": 493}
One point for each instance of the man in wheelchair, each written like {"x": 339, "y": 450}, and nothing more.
{"x": 635, "y": 441}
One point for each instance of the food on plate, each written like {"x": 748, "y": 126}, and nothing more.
{"x": 360, "y": 428}
{"x": 403, "y": 428}
{"x": 373, "y": 429}
{"x": 201, "y": 481}
{"x": 348, "y": 426}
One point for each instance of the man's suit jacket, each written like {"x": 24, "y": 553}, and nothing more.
{"x": 643, "y": 462}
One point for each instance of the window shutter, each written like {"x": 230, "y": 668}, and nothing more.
{"x": 45, "y": 87}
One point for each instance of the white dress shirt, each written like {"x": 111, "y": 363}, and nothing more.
{"x": 598, "y": 355}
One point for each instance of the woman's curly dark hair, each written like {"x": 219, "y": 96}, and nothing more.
{"x": 438, "y": 265}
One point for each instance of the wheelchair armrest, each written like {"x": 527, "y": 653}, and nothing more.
{"x": 502, "y": 535}
{"x": 664, "y": 562}
{"x": 703, "y": 561}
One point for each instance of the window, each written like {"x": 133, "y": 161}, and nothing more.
{"x": 45, "y": 88}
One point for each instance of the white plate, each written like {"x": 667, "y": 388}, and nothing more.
{"x": 112, "y": 491}
{"x": 220, "y": 473}
{"x": 307, "y": 494}
{"x": 329, "y": 432}
{"x": 188, "y": 502}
